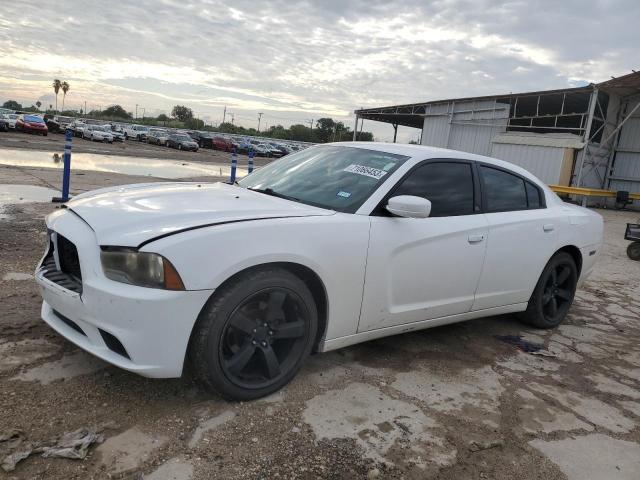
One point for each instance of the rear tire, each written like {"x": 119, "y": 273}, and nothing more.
{"x": 633, "y": 251}
{"x": 254, "y": 334}
{"x": 554, "y": 292}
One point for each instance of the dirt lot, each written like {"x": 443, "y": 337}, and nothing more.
{"x": 453, "y": 402}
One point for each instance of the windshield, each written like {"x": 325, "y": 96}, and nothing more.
{"x": 32, "y": 118}
{"x": 335, "y": 177}
{"x": 183, "y": 138}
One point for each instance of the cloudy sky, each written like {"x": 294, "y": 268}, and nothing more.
{"x": 300, "y": 60}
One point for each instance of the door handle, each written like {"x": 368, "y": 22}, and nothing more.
{"x": 548, "y": 227}
{"x": 476, "y": 238}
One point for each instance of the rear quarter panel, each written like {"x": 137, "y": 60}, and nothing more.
{"x": 584, "y": 229}
{"x": 334, "y": 247}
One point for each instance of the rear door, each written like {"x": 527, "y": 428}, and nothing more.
{"x": 522, "y": 237}
{"x": 424, "y": 268}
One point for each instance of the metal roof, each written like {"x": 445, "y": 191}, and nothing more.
{"x": 412, "y": 114}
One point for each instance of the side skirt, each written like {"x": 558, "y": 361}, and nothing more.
{"x": 347, "y": 340}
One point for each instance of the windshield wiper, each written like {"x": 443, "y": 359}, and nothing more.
{"x": 270, "y": 191}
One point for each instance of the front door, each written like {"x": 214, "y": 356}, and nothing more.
{"x": 424, "y": 268}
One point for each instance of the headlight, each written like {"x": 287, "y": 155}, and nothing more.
{"x": 140, "y": 268}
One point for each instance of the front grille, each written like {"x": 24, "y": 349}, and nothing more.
{"x": 69, "y": 275}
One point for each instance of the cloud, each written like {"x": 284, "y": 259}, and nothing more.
{"x": 298, "y": 60}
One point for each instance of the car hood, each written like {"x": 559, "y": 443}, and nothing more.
{"x": 131, "y": 215}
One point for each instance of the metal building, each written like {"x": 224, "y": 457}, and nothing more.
{"x": 586, "y": 136}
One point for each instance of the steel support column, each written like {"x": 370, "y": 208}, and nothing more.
{"x": 587, "y": 132}
{"x": 395, "y": 132}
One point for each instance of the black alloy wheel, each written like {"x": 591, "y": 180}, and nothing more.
{"x": 554, "y": 292}
{"x": 264, "y": 337}
{"x": 558, "y": 291}
{"x": 254, "y": 334}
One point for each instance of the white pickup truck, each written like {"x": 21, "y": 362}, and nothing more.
{"x": 136, "y": 132}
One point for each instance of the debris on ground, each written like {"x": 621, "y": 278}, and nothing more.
{"x": 475, "y": 446}
{"x": 73, "y": 445}
{"x": 10, "y": 461}
{"x": 521, "y": 343}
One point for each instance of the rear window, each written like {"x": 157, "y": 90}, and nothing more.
{"x": 503, "y": 191}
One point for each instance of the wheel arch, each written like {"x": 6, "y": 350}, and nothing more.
{"x": 310, "y": 278}
{"x": 575, "y": 254}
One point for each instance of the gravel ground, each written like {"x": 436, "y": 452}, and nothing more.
{"x": 452, "y": 402}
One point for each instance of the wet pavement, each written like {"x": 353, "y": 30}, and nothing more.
{"x": 158, "y": 168}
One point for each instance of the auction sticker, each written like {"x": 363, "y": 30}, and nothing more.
{"x": 366, "y": 171}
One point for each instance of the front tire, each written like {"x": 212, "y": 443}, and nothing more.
{"x": 633, "y": 251}
{"x": 253, "y": 335}
{"x": 554, "y": 292}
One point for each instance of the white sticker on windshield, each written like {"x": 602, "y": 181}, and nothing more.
{"x": 366, "y": 171}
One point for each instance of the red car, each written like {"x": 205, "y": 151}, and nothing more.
{"x": 32, "y": 124}
{"x": 223, "y": 144}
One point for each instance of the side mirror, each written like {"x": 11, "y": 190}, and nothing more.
{"x": 409, "y": 206}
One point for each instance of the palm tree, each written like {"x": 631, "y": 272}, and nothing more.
{"x": 57, "y": 84}
{"x": 65, "y": 88}
{"x": 38, "y": 104}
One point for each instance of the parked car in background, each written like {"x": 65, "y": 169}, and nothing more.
{"x": 157, "y": 136}
{"x": 98, "y": 133}
{"x": 182, "y": 141}
{"x": 31, "y": 124}
{"x": 283, "y": 149}
{"x": 11, "y": 118}
{"x": 204, "y": 139}
{"x": 118, "y": 135}
{"x": 4, "y": 124}
{"x": 63, "y": 121}
{"x": 77, "y": 128}
{"x": 222, "y": 143}
{"x": 52, "y": 124}
{"x": 265, "y": 150}
{"x": 136, "y": 132}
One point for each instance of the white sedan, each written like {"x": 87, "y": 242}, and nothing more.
{"x": 327, "y": 247}
{"x": 98, "y": 133}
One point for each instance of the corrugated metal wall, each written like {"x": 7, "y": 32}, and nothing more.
{"x": 627, "y": 160}
{"x": 544, "y": 162}
{"x": 466, "y": 126}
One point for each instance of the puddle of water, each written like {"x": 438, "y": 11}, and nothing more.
{"x": 12, "y": 194}
{"x": 153, "y": 167}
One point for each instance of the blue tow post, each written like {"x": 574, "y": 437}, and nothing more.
{"x": 234, "y": 165}
{"x": 66, "y": 173}
{"x": 250, "y": 164}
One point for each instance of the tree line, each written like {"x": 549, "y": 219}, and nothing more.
{"x": 323, "y": 130}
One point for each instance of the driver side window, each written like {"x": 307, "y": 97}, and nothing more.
{"x": 447, "y": 185}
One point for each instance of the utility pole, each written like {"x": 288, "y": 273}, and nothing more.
{"x": 143, "y": 110}
{"x": 259, "y": 118}
{"x": 85, "y": 108}
{"x": 311, "y": 127}
{"x": 224, "y": 114}
{"x": 135, "y": 118}
{"x": 233, "y": 116}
